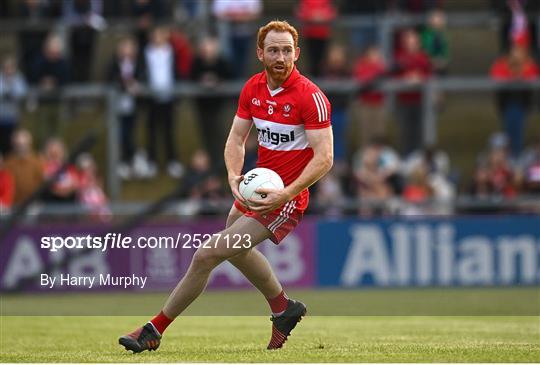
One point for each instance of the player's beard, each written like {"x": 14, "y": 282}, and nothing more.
{"x": 278, "y": 76}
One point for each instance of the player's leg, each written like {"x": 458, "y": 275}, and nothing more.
{"x": 254, "y": 265}
{"x": 212, "y": 253}
{"x": 286, "y": 313}
{"x": 258, "y": 271}
{"x": 233, "y": 216}
{"x": 218, "y": 249}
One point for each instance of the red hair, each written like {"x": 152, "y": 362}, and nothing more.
{"x": 277, "y": 26}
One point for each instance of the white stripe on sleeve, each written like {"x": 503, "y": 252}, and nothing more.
{"x": 323, "y": 107}
{"x": 318, "y": 106}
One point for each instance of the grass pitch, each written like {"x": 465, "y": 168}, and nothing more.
{"x": 244, "y": 338}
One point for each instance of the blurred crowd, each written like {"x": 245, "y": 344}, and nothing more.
{"x": 424, "y": 182}
{"x": 158, "y": 54}
{"x": 24, "y": 171}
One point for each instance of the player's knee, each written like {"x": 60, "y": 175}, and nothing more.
{"x": 241, "y": 256}
{"x": 206, "y": 258}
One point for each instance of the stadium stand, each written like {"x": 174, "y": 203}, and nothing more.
{"x": 65, "y": 53}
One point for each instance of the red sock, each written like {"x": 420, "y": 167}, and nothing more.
{"x": 279, "y": 304}
{"x": 161, "y": 322}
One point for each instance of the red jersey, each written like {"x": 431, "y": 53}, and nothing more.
{"x": 502, "y": 71}
{"x": 281, "y": 117}
{"x": 365, "y": 71}
{"x": 410, "y": 63}
{"x": 7, "y": 189}
{"x": 317, "y": 14}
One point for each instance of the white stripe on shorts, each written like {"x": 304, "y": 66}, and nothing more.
{"x": 285, "y": 217}
{"x": 280, "y": 216}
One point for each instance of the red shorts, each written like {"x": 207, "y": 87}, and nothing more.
{"x": 282, "y": 220}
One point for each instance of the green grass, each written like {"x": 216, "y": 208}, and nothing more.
{"x": 392, "y": 336}
{"x": 524, "y": 301}
{"x": 243, "y": 339}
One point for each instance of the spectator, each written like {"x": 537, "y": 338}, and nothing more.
{"x": 126, "y": 72}
{"x": 183, "y": 54}
{"x": 495, "y": 175}
{"x": 316, "y": 17}
{"x": 532, "y": 178}
{"x": 51, "y": 69}
{"x": 12, "y": 89}
{"x": 481, "y": 185}
{"x": 85, "y": 20}
{"x": 497, "y": 140}
{"x": 369, "y": 68}
{"x": 372, "y": 181}
{"x": 30, "y": 39}
{"x": 65, "y": 187}
{"x": 160, "y": 71}
{"x": 90, "y": 191}
{"x": 530, "y": 162}
{"x": 518, "y": 26}
{"x": 502, "y": 173}
{"x": 51, "y": 72}
{"x": 336, "y": 68}
{"x": 211, "y": 68}
{"x": 530, "y": 154}
{"x": 329, "y": 197}
{"x": 147, "y": 13}
{"x": 389, "y": 163}
{"x": 206, "y": 189}
{"x": 414, "y": 67}
{"x": 514, "y": 104}
{"x": 235, "y": 26}
{"x": 437, "y": 166}
{"x": 24, "y": 166}
{"x": 418, "y": 190}
{"x": 435, "y": 42}
{"x": 436, "y": 160}
{"x": 7, "y": 188}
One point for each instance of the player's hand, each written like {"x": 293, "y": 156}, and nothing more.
{"x": 273, "y": 199}
{"x": 234, "y": 182}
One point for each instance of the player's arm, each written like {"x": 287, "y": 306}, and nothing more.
{"x": 322, "y": 143}
{"x": 235, "y": 152}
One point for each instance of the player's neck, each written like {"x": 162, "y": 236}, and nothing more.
{"x": 273, "y": 84}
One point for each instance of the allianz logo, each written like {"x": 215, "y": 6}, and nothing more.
{"x": 275, "y": 138}
{"x": 431, "y": 255}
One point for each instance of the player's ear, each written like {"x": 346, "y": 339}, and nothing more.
{"x": 296, "y": 53}
{"x": 260, "y": 53}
